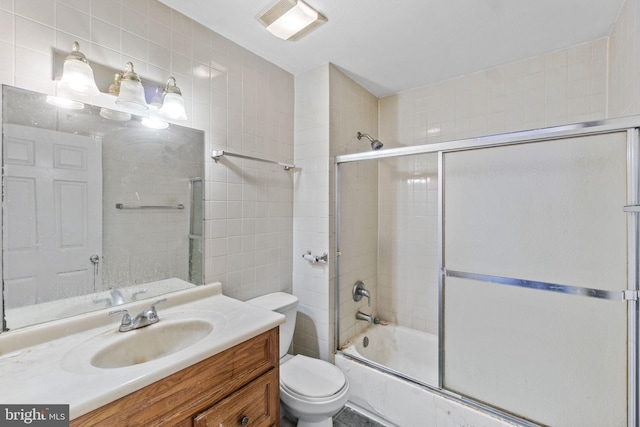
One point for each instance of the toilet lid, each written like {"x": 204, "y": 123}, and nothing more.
{"x": 311, "y": 377}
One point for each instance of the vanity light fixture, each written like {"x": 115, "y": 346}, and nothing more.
{"x": 77, "y": 75}
{"x": 290, "y": 19}
{"x": 126, "y": 88}
{"x": 131, "y": 93}
{"x": 172, "y": 102}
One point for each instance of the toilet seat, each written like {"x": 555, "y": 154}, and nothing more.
{"x": 311, "y": 378}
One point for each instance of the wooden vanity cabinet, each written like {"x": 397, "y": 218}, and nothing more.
{"x": 238, "y": 387}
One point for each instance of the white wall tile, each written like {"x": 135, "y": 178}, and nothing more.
{"x": 105, "y": 34}
{"x": 7, "y": 5}
{"x": 135, "y": 22}
{"x": 107, "y": 10}
{"x": 106, "y": 56}
{"x": 6, "y": 60}
{"x": 33, "y": 35}
{"x": 33, "y": 69}
{"x": 79, "y": 5}
{"x": 159, "y": 13}
{"x": 136, "y": 49}
{"x": 624, "y": 67}
{"x": 6, "y": 27}
{"x": 72, "y": 21}
{"x": 140, "y": 6}
{"x": 39, "y": 11}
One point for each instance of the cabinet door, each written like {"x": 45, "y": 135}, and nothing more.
{"x": 255, "y": 405}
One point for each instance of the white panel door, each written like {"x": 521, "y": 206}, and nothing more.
{"x": 52, "y": 215}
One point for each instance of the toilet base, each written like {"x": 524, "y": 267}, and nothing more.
{"x": 313, "y": 411}
{"x": 312, "y": 420}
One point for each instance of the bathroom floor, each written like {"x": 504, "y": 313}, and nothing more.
{"x": 347, "y": 417}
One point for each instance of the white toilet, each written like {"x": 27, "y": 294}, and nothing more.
{"x": 311, "y": 390}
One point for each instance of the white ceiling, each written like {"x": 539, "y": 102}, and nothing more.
{"x": 389, "y": 46}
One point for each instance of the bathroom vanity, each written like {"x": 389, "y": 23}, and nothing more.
{"x": 210, "y": 360}
{"x": 236, "y": 387}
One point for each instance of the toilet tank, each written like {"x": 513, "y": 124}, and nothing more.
{"x": 283, "y": 303}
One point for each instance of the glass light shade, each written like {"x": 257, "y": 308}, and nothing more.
{"x": 77, "y": 77}
{"x": 61, "y": 102}
{"x": 173, "y": 107}
{"x": 154, "y": 123}
{"x": 114, "y": 115}
{"x": 132, "y": 95}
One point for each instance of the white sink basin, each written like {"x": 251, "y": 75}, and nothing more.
{"x": 151, "y": 342}
{"x": 175, "y": 334}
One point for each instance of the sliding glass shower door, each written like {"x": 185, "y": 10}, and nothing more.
{"x": 535, "y": 240}
{"x": 535, "y": 278}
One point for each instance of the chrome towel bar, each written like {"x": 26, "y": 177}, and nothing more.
{"x": 216, "y": 154}
{"x": 123, "y": 206}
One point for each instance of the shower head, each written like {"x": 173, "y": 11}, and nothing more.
{"x": 375, "y": 144}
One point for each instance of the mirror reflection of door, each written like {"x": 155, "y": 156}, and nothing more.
{"x": 52, "y": 216}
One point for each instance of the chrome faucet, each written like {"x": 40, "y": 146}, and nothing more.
{"x": 116, "y": 299}
{"x": 362, "y": 316}
{"x": 359, "y": 291}
{"x": 145, "y": 318}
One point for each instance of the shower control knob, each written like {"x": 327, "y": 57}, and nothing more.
{"x": 359, "y": 291}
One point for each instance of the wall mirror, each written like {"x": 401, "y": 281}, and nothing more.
{"x": 97, "y": 209}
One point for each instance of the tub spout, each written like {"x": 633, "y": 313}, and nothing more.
{"x": 362, "y": 316}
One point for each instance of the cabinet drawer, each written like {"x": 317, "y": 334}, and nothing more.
{"x": 255, "y": 405}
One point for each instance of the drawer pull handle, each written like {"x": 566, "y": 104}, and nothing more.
{"x": 244, "y": 421}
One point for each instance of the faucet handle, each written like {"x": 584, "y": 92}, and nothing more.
{"x": 359, "y": 291}
{"x": 160, "y": 301}
{"x": 126, "y": 319}
{"x": 152, "y": 314}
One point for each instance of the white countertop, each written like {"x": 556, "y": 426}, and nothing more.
{"x": 39, "y": 364}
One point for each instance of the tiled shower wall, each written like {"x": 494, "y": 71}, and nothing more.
{"x": 565, "y": 86}
{"x": 624, "y": 62}
{"x": 242, "y": 102}
{"x": 557, "y": 88}
{"x": 354, "y": 110}
{"x": 408, "y": 243}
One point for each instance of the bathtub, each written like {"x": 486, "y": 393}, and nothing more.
{"x": 394, "y": 380}
{"x": 406, "y": 351}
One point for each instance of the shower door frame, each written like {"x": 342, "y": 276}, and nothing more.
{"x": 630, "y": 125}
